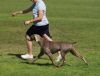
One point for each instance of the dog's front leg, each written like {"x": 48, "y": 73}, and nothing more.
{"x": 41, "y": 52}
{"x": 63, "y": 58}
{"x": 39, "y": 55}
{"x": 48, "y": 52}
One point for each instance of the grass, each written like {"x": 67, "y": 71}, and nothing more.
{"x": 70, "y": 20}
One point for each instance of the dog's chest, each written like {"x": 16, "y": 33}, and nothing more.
{"x": 54, "y": 50}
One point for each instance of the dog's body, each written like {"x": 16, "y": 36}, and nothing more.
{"x": 51, "y": 47}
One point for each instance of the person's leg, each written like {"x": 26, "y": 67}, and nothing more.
{"x": 29, "y": 45}
{"x": 29, "y": 39}
{"x": 29, "y": 48}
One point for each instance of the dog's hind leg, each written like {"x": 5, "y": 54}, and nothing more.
{"x": 75, "y": 53}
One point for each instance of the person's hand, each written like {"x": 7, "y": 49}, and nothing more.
{"x": 17, "y": 12}
{"x": 27, "y": 22}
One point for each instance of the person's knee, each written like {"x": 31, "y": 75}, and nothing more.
{"x": 31, "y": 38}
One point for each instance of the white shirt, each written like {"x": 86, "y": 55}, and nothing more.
{"x": 40, "y": 6}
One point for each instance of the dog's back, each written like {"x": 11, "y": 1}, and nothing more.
{"x": 57, "y": 46}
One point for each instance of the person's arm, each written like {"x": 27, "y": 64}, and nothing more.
{"x": 23, "y": 11}
{"x": 38, "y": 19}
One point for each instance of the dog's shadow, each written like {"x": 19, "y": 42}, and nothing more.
{"x": 43, "y": 64}
{"x": 35, "y": 63}
{"x": 39, "y": 64}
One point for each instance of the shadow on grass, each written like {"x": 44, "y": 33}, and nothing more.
{"x": 17, "y": 55}
{"x": 42, "y": 64}
{"x": 31, "y": 63}
{"x": 39, "y": 64}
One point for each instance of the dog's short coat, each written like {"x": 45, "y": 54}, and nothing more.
{"x": 51, "y": 47}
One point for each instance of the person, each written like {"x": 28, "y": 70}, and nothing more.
{"x": 40, "y": 25}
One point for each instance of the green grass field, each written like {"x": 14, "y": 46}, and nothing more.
{"x": 70, "y": 20}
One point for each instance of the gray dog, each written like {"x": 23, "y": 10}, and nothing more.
{"x": 51, "y": 47}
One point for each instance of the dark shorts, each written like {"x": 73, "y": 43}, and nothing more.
{"x": 40, "y": 30}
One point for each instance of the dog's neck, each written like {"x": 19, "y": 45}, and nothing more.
{"x": 40, "y": 43}
{"x": 43, "y": 41}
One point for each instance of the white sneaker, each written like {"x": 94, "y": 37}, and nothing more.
{"x": 59, "y": 58}
{"x": 27, "y": 56}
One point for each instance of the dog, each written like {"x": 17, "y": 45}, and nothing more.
{"x": 52, "y": 47}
